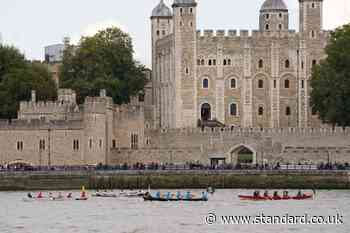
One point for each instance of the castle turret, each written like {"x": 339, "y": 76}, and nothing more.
{"x": 311, "y": 14}
{"x": 185, "y": 54}
{"x": 274, "y": 16}
{"x": 162, "y": 25}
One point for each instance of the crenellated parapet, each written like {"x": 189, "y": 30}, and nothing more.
{"x": 264, "y": 132}
{"x": 244, "y": 34}
{"x": 37, "y": 124}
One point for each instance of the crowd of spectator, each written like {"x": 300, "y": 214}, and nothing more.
{"x": 166, "y": 166}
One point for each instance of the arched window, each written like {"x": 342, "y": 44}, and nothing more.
{"x": 312, "y": 34}
{"x": 202, "y": 62}
{"x": 214, "y": 62}
{"x": 224, "y": 63}
{"x": 191, "y": 10}
{"x": 279, "y": 26}
{"x": 229, "y": 62}
{"x": 209, "y": 62}
{"x": 198, "y": 62}
{"x": 233, "y": 109}
{"x": 261, "y": 63}
{"x": 205, "y": 83}
{"x": 267, "y": 16}
{"x": 157, "y": 32}
{"x": 233, "y": 83}
{"x": 267, "y": 27}
{"x": 286, "y": 83}
{"x": 261, "y": 111}
{"x": 181, "y": 11}
{"x": 313, "y": 5}
{"x": 261, "y": 83}
{"x": 280, "y": 15}
{"x": 187, "y": 71}
{"x": 287, "y": 64}
{"x": 288, "y": 111}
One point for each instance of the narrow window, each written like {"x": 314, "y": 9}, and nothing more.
{"x": 267, "y": 27}
{"x": 114, "y": 144}
{"x": 267, "y": 16}
{"x": 274, "y": 83}
{"x": 163, "y": 32}
{"x": 302, "y": 65}
{"x": 198, "y": 62}
{"x": 313, "y": 5}
{"x": 280, "y": 15}
{"x": 233, "y": 83}
{"x": 302, "y": 84}
{"x": 288, "y": 111}
{"x": 233, "y": 109}
{"x": 209, "y": 62}
{"x": 90, "y": 143}
{"x": 261, "y": 83}
{"x": 229, "y": 62}
{"x": 181, "y": 11}
{"x": 191, "y": 11}
{"x": 205, "y": 83}
{"x": 280, "y": 26}
{"x": 287, "y": 64}
{"x": 181, "y": 23}
{"x": 261, "y": 63}
{"x": 187, "y": 71}
{"x": 224, "y": 63}
{"x": 100, "y": 143}
{"x": 312, "y": 34}
{"x": 214, "y": 62}
{"x": 191, "y": 24}
{"x": 286, "y": 83}
{"x": 158, "y": 33}
{"x": 202, "y": 62}
{"x": 261, "y": 111}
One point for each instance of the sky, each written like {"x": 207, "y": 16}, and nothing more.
{"x": 30, "y": 25}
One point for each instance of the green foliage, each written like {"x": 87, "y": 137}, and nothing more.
{"x": 17, "y": 78}
{"x": 103, "y": 61}
{"x": 330, "y": 95}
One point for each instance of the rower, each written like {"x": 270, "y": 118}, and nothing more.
{"x": 40, "y": 195}
{"x": 266, "y": 193}
{"x": 275, "y": 194}
{"x": 29, "y": 195}
{"x": 299, "y": 195}
{"x": 69, "y": 195}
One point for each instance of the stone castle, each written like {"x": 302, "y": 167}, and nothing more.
{"x": 257, "y": 79}
{"x": 255, "y": 86}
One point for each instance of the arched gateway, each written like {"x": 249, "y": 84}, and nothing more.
{"x": 244, "y": 155}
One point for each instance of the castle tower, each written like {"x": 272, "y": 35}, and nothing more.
{"x": 311, "y": 14}
{"x": 162, "y": 25}
{"x": 274, "y": 16}
{"x": 185, "y": 53}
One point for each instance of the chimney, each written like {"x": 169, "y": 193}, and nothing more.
{"x": 33, "y": 96}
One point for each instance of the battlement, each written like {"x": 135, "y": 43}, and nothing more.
{"x": 36, "y": 124}
{"x": 262, "y": 131}
{"x": 241, "y": 34}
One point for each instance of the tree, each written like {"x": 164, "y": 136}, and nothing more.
{"x": 18, "y": 77}
{"x": 103, "y": 61}
{"x": 330, "y": 96}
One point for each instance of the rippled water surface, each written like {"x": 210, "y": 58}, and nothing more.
{"x": 122, "y": 215}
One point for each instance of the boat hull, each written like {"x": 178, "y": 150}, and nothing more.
{"x": 261, "y": 198}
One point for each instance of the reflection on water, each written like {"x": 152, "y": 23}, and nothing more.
{"x": 123, "y": 215}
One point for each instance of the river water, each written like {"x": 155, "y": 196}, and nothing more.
{"x": 133, "y": 215}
